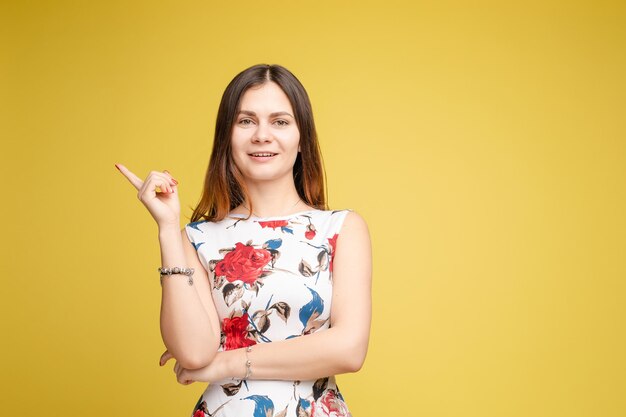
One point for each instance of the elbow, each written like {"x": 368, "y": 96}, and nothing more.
{"x": 197, "y": 360}
{"x": 354, "y": 358}
{"x": 355, "y": 363}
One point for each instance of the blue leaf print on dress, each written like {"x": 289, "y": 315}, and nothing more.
{"x": 303, "y": 408}
{"x": 273, "y": 243}
{"x": 194, "y": 225}
{"x": 305, "y": 404}
{"x": 313, "y": 307}
{"x": 310, "y": 312}
{"x": 264, "y": 407}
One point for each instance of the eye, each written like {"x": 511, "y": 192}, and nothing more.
{"x": 245, "y": 122}
{"x": 282, "y": 122}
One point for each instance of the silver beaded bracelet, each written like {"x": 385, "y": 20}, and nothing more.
{"x": 247, "y": 350}
{"x": 176, "y": 270}
{"x": 248, "y": 363}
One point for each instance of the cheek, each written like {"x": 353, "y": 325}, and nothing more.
{"x": 236, "y": 153}
{"x": 291, "y": 140}
{"x": 237, "y": 146}
{"x": 237, "y": 139}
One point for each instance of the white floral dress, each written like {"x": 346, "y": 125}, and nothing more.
{"x": 271, "y": 279}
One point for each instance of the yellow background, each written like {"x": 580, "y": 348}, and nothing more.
{"x": 484, "y": 143}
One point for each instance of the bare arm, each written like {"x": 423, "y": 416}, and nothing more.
{"x": 189, "y": 322}
{"x": 341, "y": 348}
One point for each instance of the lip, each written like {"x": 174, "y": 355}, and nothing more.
{"x": 262, "y": 158}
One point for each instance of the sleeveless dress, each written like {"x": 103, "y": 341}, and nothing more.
{"x": 271, "y": 279}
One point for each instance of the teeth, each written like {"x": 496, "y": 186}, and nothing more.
{"x": 262, "y": 154}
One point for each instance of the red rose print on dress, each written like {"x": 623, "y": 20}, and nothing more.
{"x": 310, "y": 232}
{"x": 283, "y": 224}
{"x": 274, "y": 223}
{"x": 201, "y": 409}
{"x": 244, "y": 263}
{"x": 310, "y": 229}
{"x": 235, "y": 330}
{"x": 329, "y": 405}
{"x": 332, "y": 241}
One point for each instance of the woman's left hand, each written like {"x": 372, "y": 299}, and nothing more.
{"x": 212, "y": 372}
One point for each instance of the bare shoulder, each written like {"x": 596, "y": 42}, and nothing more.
{"x": 354, "y": 223}
{"x": 354, "y": 231}
{"x": 353, "y": 257}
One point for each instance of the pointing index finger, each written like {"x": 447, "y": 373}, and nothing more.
{"x": 132, "y": 178}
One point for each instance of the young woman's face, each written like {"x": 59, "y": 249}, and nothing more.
{"x": 265, "y": 138}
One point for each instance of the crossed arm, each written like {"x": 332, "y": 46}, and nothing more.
{"x": 341, "y": 348}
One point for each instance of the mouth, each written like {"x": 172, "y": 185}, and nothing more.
{"x": 262, "y": 154}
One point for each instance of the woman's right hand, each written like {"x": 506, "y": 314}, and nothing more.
{"x": 163, "y": 205}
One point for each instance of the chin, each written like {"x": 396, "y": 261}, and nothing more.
{"x": 260, "y": 177}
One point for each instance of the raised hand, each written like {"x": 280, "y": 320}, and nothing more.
{"x": 163, "y": 205}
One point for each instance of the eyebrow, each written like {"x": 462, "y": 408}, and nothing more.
{"x": 278, "y": 113}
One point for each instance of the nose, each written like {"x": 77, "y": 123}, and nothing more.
{"x": 262, "y": 133}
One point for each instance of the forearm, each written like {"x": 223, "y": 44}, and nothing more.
{"x": 323, "y": 353}
{"x": 185, "y": 325}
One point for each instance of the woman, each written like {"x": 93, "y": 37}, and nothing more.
{"x": 254, "y": 318}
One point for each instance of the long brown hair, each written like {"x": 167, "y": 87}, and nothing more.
{"x": 224, "y": 186}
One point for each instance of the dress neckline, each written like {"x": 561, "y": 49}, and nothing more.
{"x": 287, "y": 216}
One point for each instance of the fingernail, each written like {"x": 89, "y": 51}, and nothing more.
{"x": 174, "y": 181}
{"x": 118, "y": 168}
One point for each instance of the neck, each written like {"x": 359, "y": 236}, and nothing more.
{"x": 271, "y": 199}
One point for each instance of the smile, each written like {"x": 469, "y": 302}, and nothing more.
{"x": 263, "y": 154}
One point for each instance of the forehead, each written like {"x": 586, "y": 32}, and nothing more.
{"x": 268, "y": 97}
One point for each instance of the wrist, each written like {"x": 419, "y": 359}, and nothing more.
{"x": 169, "y": 236}
{"x": 168, "y": 228}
